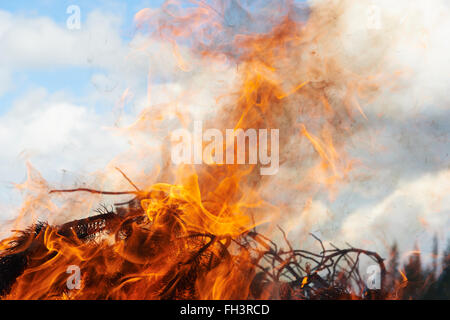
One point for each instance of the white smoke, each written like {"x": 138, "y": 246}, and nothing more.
{"x": 400, "y": 193}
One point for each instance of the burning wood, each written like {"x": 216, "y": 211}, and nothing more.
{"x": 160, "y": 257}
{"x": 129, "y": 252}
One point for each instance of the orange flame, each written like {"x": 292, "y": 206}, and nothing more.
{"x": 177, "y": 230}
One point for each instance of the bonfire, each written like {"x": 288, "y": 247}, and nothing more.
{"x": 206, "y": 230}
{"x": 158, "y": 254}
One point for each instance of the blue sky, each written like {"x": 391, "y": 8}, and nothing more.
{"x": 67, "y": 78}
{"x": 56, "y": 9}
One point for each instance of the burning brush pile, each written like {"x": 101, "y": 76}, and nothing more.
{"x": 152, "y": 247}
{"x": 209, "y": 229}
{"x": 159, "y": 253}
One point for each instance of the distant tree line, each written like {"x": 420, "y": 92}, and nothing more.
{"x": 414, "y": 281}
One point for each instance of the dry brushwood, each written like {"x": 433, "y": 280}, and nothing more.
{"x": 286, "y": 274}
{"x": 330, "y": 274}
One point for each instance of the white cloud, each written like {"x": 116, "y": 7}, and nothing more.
{"x": 39, "y": 42}
{"x": 56, "y": 135}
{"x": 412, "y": 213}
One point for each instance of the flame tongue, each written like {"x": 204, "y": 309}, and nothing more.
{"x": 161, "y": 247}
